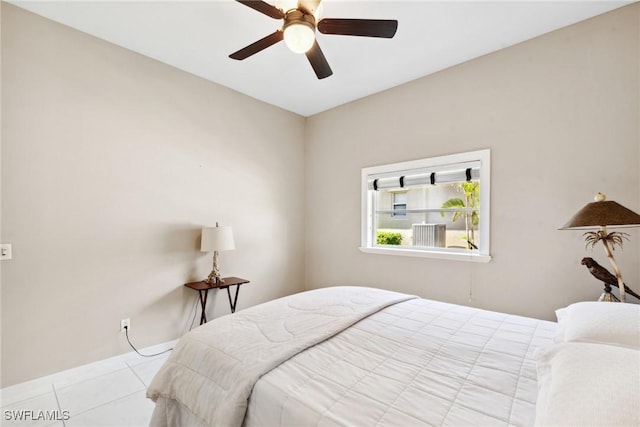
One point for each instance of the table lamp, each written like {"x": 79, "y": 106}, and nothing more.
{"x": 601, "y": 214}
{"x": 216, "y": 239}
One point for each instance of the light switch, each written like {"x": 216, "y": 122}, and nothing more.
{"x": 5, "y": 251}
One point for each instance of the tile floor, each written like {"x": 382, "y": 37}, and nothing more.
{"x": 107, "y": 394}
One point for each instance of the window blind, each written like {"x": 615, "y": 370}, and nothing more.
{"x": 470, "y": 173}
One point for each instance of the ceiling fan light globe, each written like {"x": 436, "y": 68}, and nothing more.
{"x": 299, "y": 37}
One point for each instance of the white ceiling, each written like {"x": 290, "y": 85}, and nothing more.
{"x": 198, "y": 36}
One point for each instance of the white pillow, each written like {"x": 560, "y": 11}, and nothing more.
{"x": 561, "y": 315}
{"x": 583, "y": 384}
{"x": 600, "y": 322}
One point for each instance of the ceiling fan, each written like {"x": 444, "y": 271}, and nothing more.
{"x": 298, "y": 30}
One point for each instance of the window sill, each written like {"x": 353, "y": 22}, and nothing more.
{"x": 455, "y": 256}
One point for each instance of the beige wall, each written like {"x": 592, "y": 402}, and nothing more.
{"x": 1, "y": 194}
{"x": 111, "y": 163}
{"x": 560, "y": 114}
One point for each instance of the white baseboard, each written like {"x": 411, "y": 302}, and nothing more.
{"x": 39, "y": 386}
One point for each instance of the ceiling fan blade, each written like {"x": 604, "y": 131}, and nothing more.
{"x": 309, "y": 6}
{"x": 263, "y": 7}
{"x": 318, "y": 61}
{"x": 385, "y": 28}
{"x": 256, "y": 47}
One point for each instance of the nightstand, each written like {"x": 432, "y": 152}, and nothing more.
{"x": 203, "y": 290}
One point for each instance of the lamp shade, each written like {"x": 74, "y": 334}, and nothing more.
{"x": 217, "y": 239}
{"x": 603, "y": 213}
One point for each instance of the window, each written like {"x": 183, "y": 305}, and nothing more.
{"x": 436, "y": 207}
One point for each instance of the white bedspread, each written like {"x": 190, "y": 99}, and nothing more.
{"x": 213, "y": 369}
{"x": 416, "y": 363}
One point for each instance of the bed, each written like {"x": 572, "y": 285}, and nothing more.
{"x": 365, "y": 357}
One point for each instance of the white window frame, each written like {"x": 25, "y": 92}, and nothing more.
{"x": 430, "y": 164}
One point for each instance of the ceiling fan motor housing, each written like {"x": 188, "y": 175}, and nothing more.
{"x": 296, "y": 16}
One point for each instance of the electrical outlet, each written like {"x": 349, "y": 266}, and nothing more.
{"x": 125, "y": 323}
{"x": 5, "y": 251}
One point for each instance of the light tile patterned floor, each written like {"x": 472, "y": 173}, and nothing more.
{"x": 109, "y": 394}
